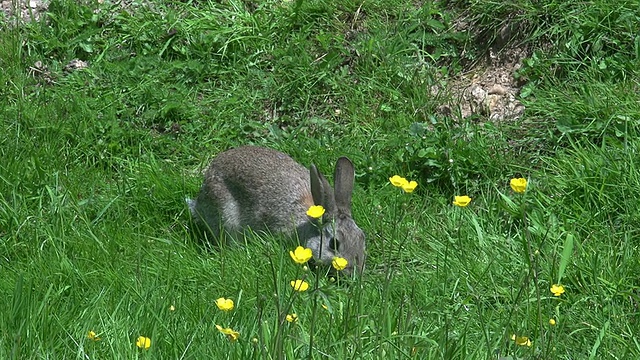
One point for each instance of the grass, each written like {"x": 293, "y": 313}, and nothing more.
{"x": 96, "y": 163}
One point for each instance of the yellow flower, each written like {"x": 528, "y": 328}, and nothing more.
{"x": 315, "y": 211}
{"x": 552, "y": 322}
{"x": 518, "y": 185}
{"x": 224, "y": 304}
{"x": 143, "y": 342}
{"x": 461, "y": 201}
{"x": 522, "y": 340}
{"x": 398, "y": 181}
{"x": 172, "y": 308}
{"x": 301, "y": 255}
{"x": 93, "y": 336}
{"x": 292, "y": 317}
{"x": 232, "y": 335}
{"x": 299, "y": 285}
{"x": 339, "y": 263}
{"x": 409, "y": 186}
{"x": 557, "y": 290}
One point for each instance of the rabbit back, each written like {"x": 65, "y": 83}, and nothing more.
{"x": 253, "y": 187}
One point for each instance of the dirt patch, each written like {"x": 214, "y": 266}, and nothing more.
{"x": 488, "y": 89}
{"x": 27, "y": 9}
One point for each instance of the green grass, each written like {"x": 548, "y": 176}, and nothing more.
{"x": 95, "y": 165}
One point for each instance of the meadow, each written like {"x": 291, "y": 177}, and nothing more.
{"x": 96, "y": 161}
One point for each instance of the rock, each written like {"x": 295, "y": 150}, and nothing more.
{"x": 75, "y": 64}
{"x": 493, "y": 102}
{"x": 497, "y": 89}
{"x": 478, "y": 93}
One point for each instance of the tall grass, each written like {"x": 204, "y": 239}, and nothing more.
{"x": 96, "y": 163}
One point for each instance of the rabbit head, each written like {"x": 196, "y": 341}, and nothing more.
{"x": 340, "y": 236}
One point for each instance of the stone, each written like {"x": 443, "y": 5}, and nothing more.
{"x": 497, "y": 89}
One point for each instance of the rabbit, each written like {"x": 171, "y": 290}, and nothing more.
{"x": 266, "y": 190}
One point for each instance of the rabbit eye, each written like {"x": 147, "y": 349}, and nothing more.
{"x": 334, "y": 244}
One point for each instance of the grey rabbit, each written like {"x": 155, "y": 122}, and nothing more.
{"x": 266, "y": 190}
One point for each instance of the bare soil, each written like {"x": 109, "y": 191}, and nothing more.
{"x": 488, "y": 89}
{"x": 27, "y": 9}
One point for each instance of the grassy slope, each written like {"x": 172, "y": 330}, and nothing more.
{"x": 96, "y": 164}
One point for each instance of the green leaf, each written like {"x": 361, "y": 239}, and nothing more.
{"x": 509, "y": 205}
{"x": 566, "y": 255}
{"x": 417, "y": 129}
{"x": 435, "y": 24}
{"x": 476, "y": 225}
{"x": 596, "y": 344}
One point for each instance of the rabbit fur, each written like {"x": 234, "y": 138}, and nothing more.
{"x": 266, "y": 190}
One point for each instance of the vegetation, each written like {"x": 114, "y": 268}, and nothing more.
{"x": 96, "y": 256}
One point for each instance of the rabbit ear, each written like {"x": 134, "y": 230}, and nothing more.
{"x": 321, "y": 190}
{"x": 343, "y": 179}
